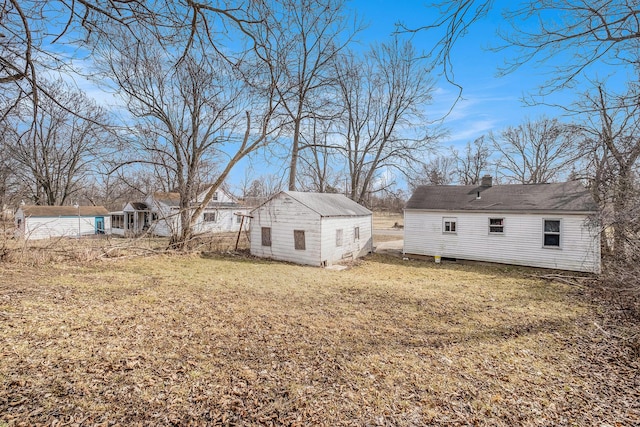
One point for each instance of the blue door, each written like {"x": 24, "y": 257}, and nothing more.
{"x": 99, "y": 225}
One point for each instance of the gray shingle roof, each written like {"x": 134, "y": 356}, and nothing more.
{"x": 565, "y": 196}
{"x": 56, "y": 211}
{"x": 169, "y": 199}
{"x": 327, "y": 204}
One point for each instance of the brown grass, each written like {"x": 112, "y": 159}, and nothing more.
{"x": 386, "y": 220}
{"x": 175, "y": 340}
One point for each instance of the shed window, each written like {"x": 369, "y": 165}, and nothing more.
{"x": 210, "y": 217}
{"x": 356, "y": 233}
{"x": 551, "y": 233}
{"x": 449, "y": 225}
{"x": 266, "y": 236}
{"x": 238, "y": 219}
{"x": 339, "y": 237}
{"x": 298, "y": 240}
{"x": 496, "y": 225}
{"x": 154, "y": 216}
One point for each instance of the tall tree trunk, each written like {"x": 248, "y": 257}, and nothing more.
{"x": 295, "y": 149}
{"x": 622, "y": 193}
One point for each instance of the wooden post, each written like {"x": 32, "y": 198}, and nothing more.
{"x": 239, "y": 231}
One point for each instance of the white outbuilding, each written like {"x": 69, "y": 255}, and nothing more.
{"x": 44, "y": 222}
{"x": 317, "y": 229}
{"x": 538, "y": 225}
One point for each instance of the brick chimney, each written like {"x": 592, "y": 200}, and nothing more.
{"x": 486, "y": 181}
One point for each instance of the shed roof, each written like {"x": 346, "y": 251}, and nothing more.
{"x": 57, "y": 211}
{"x": 326, "y": 204}
{"x": 565, "y": 196}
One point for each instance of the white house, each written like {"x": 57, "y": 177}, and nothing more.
{"x": 43, "y": 222}
{"x": 537, "y": 225}
{"x": 159, "y": 214}
{"x": 311, "y": 228}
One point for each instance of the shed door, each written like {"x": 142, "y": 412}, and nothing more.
{"x": 99, "y": 225}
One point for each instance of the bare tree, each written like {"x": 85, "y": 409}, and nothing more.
{"x": 439, "y": 170}
{"x": 612, "y": 130}
{"x": 193, "y": 111}
{"x": 56, "y": 154}
{"x": 593, "y": 30}
{"x": 383, "y": 123}
{"x": 33, "y": 34}
{"x": 472, "y": 164}
{"x": 299, "y": 41}
{"x": 263, "y": 187}
{"x": 319, "y": 165}
{"x": 535, "y": 152}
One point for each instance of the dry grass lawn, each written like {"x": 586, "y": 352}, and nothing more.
{"x": 383, "y": 220}
{"x": 178, "y": 340}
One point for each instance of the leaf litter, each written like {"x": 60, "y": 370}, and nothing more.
{"x": 188, "y": 340}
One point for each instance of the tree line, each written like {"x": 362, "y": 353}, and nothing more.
{"x": 202, "y": 85}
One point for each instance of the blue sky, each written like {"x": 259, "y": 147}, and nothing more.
{"x": 489, "y": 102}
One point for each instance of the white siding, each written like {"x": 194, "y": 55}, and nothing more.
{"x": 220, "y": 196}
{"x": 35, "y": 228}
{"x": 521, "y": 243}
{"x": 168, "y": 218}
{"x": 351, "y": 247}
{"x": 284, "y": 215}
{"x": 226, "y": 221}
{"x": 117, "y": 232}
{"x": 168, "y": 221}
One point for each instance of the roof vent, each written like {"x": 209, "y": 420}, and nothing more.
{"x": 486, "y": 181}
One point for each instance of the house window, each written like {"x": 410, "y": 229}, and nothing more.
{"x": 496, "y": 225}
{"x": 215, "y": 196}
{"x": 298, "y": 239}
{"x": 339, "y": 237}
{"x": 238, "y": 219}
{"x": 551, "y": 233}
{"x": 209, "y": 217}
{"x": 356, "y": 233}
{"x": 266, "y": 236}
{"x": 154, "y": 216}
{"x": 449, "y": 225}
{"x": 117, "y": 221}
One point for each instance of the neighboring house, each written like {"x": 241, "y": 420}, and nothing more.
{"x": 132, "y": 220}
{"x": 43, "y": 222}
{"x": 311, "y": 228}
{"x": 159, "y": 214}
{"x": 538, "y": 225}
